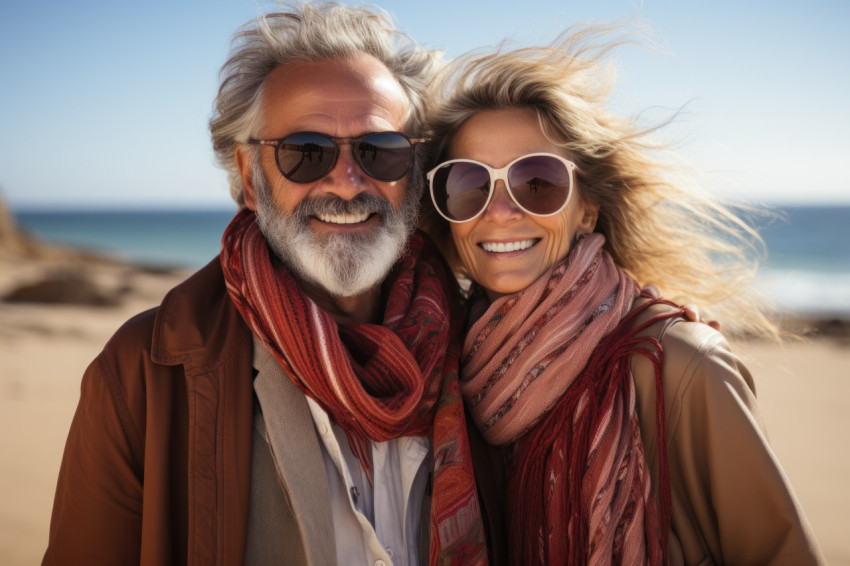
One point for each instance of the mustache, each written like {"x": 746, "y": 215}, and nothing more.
{"x": 360, "y": 204}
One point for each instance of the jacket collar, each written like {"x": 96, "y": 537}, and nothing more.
{"x": 197, "y": 324}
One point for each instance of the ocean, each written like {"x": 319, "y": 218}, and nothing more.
{"x": 806, "y": 271}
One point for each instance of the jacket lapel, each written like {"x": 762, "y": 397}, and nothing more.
{"x": 297, "y": 455}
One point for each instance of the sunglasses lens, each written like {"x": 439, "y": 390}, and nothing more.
{"x": 460, "y": 189}
{"x": 304, "y": 158}
{"x": 386, "y": 156}
{"x": 541, "y": 184}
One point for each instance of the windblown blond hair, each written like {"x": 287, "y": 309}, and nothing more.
{"x": 693, "y": 247}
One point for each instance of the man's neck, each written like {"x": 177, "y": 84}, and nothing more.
{"x": 366, "y": 307}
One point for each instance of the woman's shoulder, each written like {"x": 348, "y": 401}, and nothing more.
{"x": 684, "y": 345}
{"x": 688, "y": 346}
{"x": 700, "y": 372}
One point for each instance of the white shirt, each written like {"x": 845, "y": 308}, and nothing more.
{"x": 377, "y": 526}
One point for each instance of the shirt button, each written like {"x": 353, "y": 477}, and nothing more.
{"x": 381, "y": 476}
{"x": 389, "y": 551}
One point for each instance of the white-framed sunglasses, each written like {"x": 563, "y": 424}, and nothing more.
{"x": 539, "y": 183}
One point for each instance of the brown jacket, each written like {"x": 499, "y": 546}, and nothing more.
{"x": 732, "y": 503}
{"x": 157, "y": 466}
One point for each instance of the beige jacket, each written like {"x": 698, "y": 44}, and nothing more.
{"x": 732, "y": 503}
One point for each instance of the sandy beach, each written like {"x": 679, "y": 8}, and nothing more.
{"x": 44, "y": 349}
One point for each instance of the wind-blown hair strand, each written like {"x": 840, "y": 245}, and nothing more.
{"x": 695, "y": 248}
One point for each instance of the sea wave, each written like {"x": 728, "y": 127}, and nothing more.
{"x": 807, "y": 293}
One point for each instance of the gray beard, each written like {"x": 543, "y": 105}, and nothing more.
{"x": 344, "y": 265}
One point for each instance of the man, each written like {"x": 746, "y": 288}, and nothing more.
{"x": 297, "y": 401}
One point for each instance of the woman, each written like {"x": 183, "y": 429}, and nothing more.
{"x": 629, "y": 435}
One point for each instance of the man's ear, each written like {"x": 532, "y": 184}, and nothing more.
{"x": 244, "y": 164}
{"x": 589, "y": 217}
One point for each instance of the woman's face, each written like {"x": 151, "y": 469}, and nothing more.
{"x": 497, "y": 137}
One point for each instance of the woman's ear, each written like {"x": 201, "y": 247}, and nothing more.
{"x": 589, "y": 215}
{"x": 245, "y": 167}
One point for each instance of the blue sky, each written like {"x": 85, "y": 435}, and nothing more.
{"x": 105, "y": 103}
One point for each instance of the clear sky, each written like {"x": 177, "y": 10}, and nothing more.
{"x": 106, "y": 103}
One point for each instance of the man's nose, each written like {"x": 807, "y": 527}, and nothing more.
{"x": 346, "y": 180}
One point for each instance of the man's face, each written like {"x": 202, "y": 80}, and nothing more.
{"x": 344, "y": 231}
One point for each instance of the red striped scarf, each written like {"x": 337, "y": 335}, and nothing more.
{"x": 546, "y": 372}
{"x": 376, "y": 381}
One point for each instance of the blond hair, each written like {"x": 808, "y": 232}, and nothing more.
{"x": 695, "y": 248}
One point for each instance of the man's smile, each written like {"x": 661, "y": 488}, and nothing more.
{"x": 343, "y": 218}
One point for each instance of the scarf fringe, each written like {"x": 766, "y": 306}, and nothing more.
{"x": 548, "y": 529}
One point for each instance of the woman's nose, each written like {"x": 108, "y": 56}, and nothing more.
{"x": 502, "y": 207}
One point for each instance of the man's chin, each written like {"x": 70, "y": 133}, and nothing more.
{"x": 342, "y": 265}
{"x": 342, "y": 261}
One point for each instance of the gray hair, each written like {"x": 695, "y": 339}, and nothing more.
{"x": 311, "y": 32}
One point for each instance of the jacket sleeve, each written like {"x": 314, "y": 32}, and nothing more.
{"x": 727, "y": 479}
{"x": 97, "y": 510}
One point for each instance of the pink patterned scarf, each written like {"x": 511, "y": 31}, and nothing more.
{"x": 546, "y": 371}
{"x": 378, "y": 382}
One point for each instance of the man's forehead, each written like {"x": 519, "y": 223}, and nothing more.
{"x": 359, "y": 90}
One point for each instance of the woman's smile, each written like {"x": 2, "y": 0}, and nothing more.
{"x": 508, "y": 247}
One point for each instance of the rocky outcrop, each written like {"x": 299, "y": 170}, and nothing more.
{"x": 12, "y": 240}
{"x": 63, "y": 286}
{"x": 17, "y": 244}
{"x": 38, "y": 272}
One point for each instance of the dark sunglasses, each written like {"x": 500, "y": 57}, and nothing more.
{"x": 304, "y": 157}
{"x": 539, "y": 183}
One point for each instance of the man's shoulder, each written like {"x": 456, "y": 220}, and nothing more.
{"x": 137, "y": 330}
{"x": 178, "y": 313}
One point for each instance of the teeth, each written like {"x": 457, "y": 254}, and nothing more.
{"x": 502, "y": 247}
{"x": 343, "y": 218}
